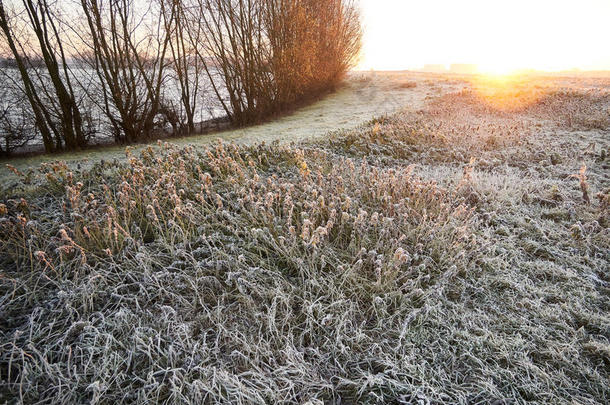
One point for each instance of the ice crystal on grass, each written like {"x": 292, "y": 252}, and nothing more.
{"x": 407, "y": 261}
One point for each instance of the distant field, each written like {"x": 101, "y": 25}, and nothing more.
{"x": 453, "y": 250}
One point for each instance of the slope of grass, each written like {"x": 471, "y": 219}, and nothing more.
{"x": 420, "y": 258}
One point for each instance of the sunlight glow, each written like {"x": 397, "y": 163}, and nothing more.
{"x": 507, "y": 92}
{"x": 499, "y": 36}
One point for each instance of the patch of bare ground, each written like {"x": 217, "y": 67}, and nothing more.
{"x": 456, "y": 254}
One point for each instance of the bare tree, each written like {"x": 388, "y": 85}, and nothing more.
{"x": 56, "y": 110}
{"x": 233, "y": 54}
{"x": 127, "y": 50}
{"x": 43, "y": 22}
{"x": 186, "y": 68}
{"x": 42, "y": 117}
{"x": 17, "y": 126}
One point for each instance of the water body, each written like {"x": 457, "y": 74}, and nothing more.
{"x": 16, "y": 112}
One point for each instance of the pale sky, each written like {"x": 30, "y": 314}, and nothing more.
{"x": 497, "y": 35}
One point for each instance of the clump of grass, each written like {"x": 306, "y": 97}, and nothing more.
{"x": 179, "y": 265}
{"x": 575, "y": 109}
{"x": 584, "y": 185}
{"x": 438, "y": 134}
{"x": 407, "y": 84}
{"x": 604, "y": 199}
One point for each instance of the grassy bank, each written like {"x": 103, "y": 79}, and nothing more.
{"x": 364, "y": 96}
{"x": 451, "y": 255}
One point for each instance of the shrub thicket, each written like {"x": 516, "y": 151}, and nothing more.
{"x": 260, "y": 57}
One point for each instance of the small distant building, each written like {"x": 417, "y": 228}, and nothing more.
{"x": 463, "y": 68}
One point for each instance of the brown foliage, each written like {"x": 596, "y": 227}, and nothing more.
{"x": 271, "y": 54}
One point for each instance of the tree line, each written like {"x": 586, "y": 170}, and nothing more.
{"x": 255, "y": 58}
